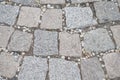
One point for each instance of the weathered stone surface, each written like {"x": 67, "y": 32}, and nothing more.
{"x": 8, "y": 14}
{"x": 2, "y": 78}
{"x": 91, "y": 69}
{"x": 60, "y": 69}
{"x": 112, "y": 64}
{"x": 8, "y": 65}
{"x": 20, "y": 41}
{"x": 52, "y": 19}
{"x": 83, "y": 1}
{"x": 52, "y": 1}
{"x": 98, "y": 41}
{"x": 26, "y": 2}
{"x": 70, "y": 44}
{"x": 5, "y": 33}
{"x": 45, "y": 43}
{"x": 106, "y": 11}
{"x": 77, "y": 17}
{"x": 29, "y": 17}
{"x": 33, "y": 68}
{"x": 116, "y": 34}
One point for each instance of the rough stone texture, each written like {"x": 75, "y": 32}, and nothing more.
{"x": 45, "y": 43}
{"x": 91, "y": 69}
{"x": 33, "y": 68}
{"x": 116, "y": 34}
{"x": 60, "y": 69}
{"x": 52, "y": 19}
{"x": 52, "y": 1}
{"x": 112, "y": 63}
{"x": 98, "y": 40}
{"x": 77, "y": 17}
{"x": 118, "y": 2}
{"x": 29, "y": 17}
{"x": 83, "y": 1}
{"x": 20, "y": 41}
{"x": 8, "y": 65}
{"x": 2, "y": 78}
{"x": 8, "y": 14}
{"x": 5, "y": 33}
{"x": 107, "y": 11}
{"x": 26, "y": 2}
{"x": 70, "y": 44}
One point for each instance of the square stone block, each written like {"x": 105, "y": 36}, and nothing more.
{"x": 29, "y": 17}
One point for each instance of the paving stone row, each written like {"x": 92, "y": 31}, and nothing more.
{"x": 46, "y": 40}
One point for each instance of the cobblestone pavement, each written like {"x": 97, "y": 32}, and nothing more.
{"x": 59, "y": 39}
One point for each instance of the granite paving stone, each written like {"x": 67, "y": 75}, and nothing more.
{"x": 77, "y": 17}
{"x": 107, "y": 11}
{"x": 116, "y": 34}
{"x": 20, "y": 41}
{"x": 83, "y": 1}
{"x": 8, "y": 14}
{"x": 52, "y": 1}
{"x": 29, "y": 17}
{"x": 70, "y": 44}
{"x": 8, "y": 65}
{"x": 26, "y": 2}
{"x": 5, "y": 33}
{"x": 33, "y": 68}
{"x": 98, "y": 41}
{"x": 60, "y": 69}
{"x": 91, "y": 69}
{"x": 45, "y": 42}
{"x": 112, "y": 64}
{"x": 52, "y": 19}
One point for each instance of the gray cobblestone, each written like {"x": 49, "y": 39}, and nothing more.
{"x": 70, "y": 44}
{"x": 83, "y": 1}
{"x": 8, "y": 14}
{"x": 33, "y": 68}
{"x": 5, "y": 33}
{"x": 29, "y": 17}
{"x": 77, "y": 17}
{"x": 52, "y": 1}
{"x": 63, "y": 70}
{"x": 107, "y": 11}
{"x": 45, "y": 43}
{"x": 116, "y": 34}
{"x": 112, "y": 63}
{"x": 8, "y": 65}
{"x": 91, "y": 69}
{"x": 26, "y": 2}
{"x": 52, "y": 19}
{"x": 98, "y": 40}
{"x": 20, "y": 41}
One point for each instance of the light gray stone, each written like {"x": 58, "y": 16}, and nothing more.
{"x": 8, "y": 65}
{"x": 70, "y": 44}
{"x": 52, "y": 1}
{"x": 83, "y": 1}
{"x": 27, "y": 2}
{"x": 60, "y": 69}
{"x": 8, "y": 14}
{"x": 5, "y": 33}
{"x": 77, "y": 17}
{"x": 45, "y": 42}
{"x": 20, "y": 41}
{"x": 107, "y": 11}
{"x": 33, "y": 68}
{"x": 98, "y": 41}
{"x": 2, "y": 78}
{"x": 116, "y": 34}
{"x": 91, "y": 69}
{"x": 52, "y": 19}
{"x": 112, "y": 64}
{"x": 29, "y": 17}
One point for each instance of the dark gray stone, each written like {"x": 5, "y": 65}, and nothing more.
{"x": 45, "y": 42}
